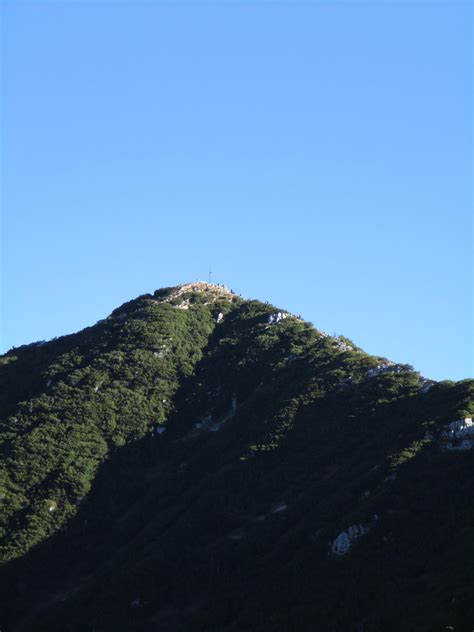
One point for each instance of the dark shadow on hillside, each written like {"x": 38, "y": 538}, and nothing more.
{"x": 44, "y": 576}
{"x": 188, "y": 525}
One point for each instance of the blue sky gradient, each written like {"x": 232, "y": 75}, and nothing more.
{"x": 316, "y": 155}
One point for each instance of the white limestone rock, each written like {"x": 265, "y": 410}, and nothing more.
{"x": 344, "y": 541}
{"x": 343, "y": 346}
{"x": 384, "y": 367}
{"x": 426, "y": 385}
{"x": 277, "y": 317}
{"x": 460, "y": 428}
{"x": 458, "y": 435}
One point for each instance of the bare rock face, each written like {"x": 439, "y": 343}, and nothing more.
{"x": 277, "y": 317}
{"x": 342, "y": 544}
{"x": 182, "y": 296}
{"x": 458, "y": 435}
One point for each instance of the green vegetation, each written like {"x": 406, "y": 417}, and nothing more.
{"x": 185, "y": 465}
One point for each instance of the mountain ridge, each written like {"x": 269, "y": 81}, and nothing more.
{"x": 194, "y": 433}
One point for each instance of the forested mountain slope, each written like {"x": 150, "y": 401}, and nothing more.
{"x": 201, "y": 462}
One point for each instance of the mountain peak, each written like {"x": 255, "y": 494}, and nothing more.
{"x": 184, "y": 295}
{"x": 204, "y": 286}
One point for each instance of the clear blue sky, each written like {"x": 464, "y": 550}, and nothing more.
{"x": 313, "y": 154}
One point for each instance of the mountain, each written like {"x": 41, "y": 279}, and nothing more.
{"x": 200, "y": 462}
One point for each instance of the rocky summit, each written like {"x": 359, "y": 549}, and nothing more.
{"x": 201, "y": 462}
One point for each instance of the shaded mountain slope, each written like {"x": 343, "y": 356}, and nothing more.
{"x": 200, "y": 462}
